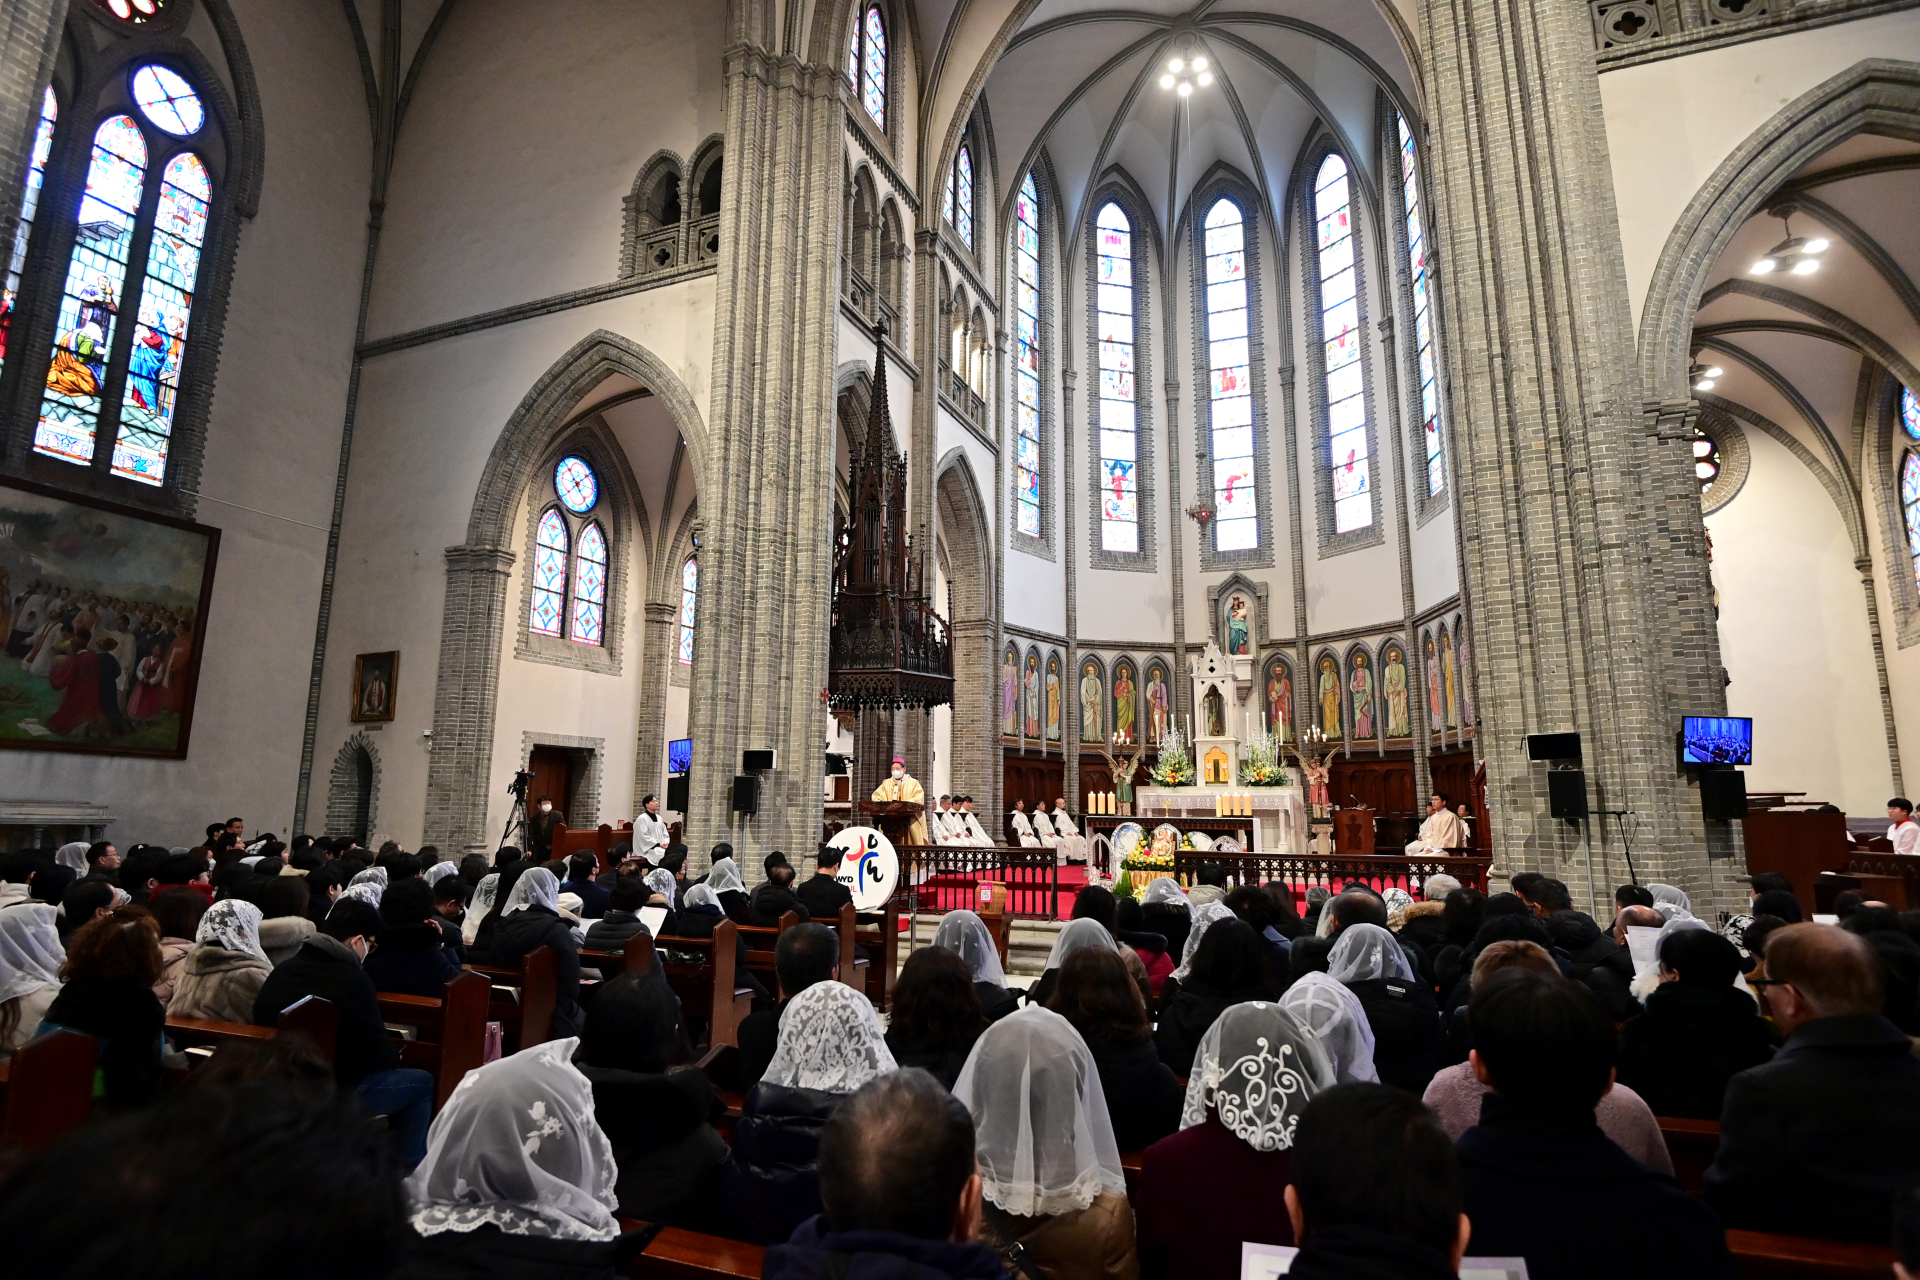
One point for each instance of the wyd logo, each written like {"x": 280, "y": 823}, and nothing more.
{"x": 868, "y": 866}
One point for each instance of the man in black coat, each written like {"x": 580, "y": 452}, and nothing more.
{"x": 775, "y": 897}
{"x": 1818, "y": 1141}
{"x": 1541, "y": 1181}
{"x": 806, "y": 954}
{"x": 821, "y": 892}
{"x": 365, "y": 1058}
{"x": 593, "y": 898}
{"x": 611, "y": 931}
{"x": 1588, "y": 946}
{"x": 901, "y": 1189}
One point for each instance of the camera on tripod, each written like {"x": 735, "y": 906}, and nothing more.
{"x": 518, "y": 787}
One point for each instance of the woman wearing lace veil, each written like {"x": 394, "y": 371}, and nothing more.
{"x": 830, "y": 1044}
{"x": 1214, "y": 1184}
{"x": 1336, "y": 1018}
{"x": 226, "y": 968}
{"x": 731, "y": 888}
{"x": 1165, "y": 910}
{"x": 965, "y": 934}
{"x": 1053, "y": 1190}
{"x": 1401, "y": 1010}
{"x": 518, "y": 1179}
{"x": 1083, "y": 932}
{"x": 530, "y": 920}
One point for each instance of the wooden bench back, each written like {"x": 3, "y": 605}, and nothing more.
{"x": 531, "y": 1020}
{"x": 49, "y": 1088}
{"x": 882, "y": 941}
{"x": 1692, "y": 1144}
{"x": 453, "y": 1030}
{"x": 311, "y": 1017}
{"x": 636, "y": 955}
{"x": 709, "y": 989}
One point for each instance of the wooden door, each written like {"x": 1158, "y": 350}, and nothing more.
{"x": 552, "y": 769}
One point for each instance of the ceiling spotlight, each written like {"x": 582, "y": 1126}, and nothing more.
{"x": 1185, "y": 89}
{"x": 1206, "y": 78}
{"x": 1176, "y": 66}
{"x": 1716, "y": 371}
{"x": 1795, "y": 254}
{"x": 1166, "y": 82}
{"x": 1705, "y": 384}
{"x": 1199, "y": 64}
{"x": 1701, "y": 376}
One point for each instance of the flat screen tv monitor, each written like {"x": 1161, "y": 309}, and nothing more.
{"x": 680, "y": 755}
{"x": 1716, "y": 740}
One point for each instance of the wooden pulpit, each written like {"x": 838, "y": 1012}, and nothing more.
{"x": 1353, "y": 832}
{"x": 895, "y": 818}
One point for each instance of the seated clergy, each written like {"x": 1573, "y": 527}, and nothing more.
{"x": 1072, "y": 845}
{"x": 1441, "y": 830}
{"x": 1022, "y": 826}
{"x": 1043, "y": 825}
{"x": 976, "y": 834}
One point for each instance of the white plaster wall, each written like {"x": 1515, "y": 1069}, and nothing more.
{"x": 525, "y": 131}
{"x": 1436, "y": 556}
{"x": 1794, "y": 637}
{"x": 446, "y": 403}
{"x": 1671, "y": 123}
{"x": 273, "y": 441}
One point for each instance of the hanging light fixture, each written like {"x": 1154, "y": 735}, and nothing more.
{"x": 1796, "y": 255}
{"x": 1703, "y": 376}
{"x": 1185, "y": 70}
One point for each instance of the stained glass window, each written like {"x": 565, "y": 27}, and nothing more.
{"x": 90, "y": 304}
{"x": 29, "y": 205}
{"x": 1910, "y": 413}
{"x": 1910, "y": 503}
{"x": 133, "y": 10}
{"x": 1706, "y": 458}
{"x": 160, "y": 337}
{"x": 578, "y": 487}
{"x": 1113, "y": 322}
{"x": 1340, "y": 333}
{"x": 867, "y": 63}
{"x": 1026, "y": 363}
{"x": 1236, "y": 518}
{"x": 549, "y": 575}
{"x": 1418, "y": 275}
{"x": 168, "y": 101}
{"x": 590, "y": 587}
{"x": 962, "y": 203}
{"x": 689, "y": 596}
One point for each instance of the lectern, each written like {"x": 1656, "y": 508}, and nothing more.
{"x": 895, "y": 818}
{"x": 1353, "y": 832}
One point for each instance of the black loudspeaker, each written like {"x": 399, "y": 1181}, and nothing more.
{"x": 1723, "y": 795}
{"x": 1553, "y": 746}
{"x": 758, "y": 761}
{"x": 1567, "y": 793}
{"x": 746, "y": 793}
{"x": 677, "y": 793}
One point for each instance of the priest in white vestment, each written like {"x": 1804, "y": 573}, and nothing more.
{"x": 1440, "y": 832}
{"x": 1073, "y": 845}
{"x": 1043, "y": 825}
{"x": 975, "y": 833}
{"x": 1023, "y": 827}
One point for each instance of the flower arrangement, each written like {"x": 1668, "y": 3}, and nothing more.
{"x": 1175, "y": 767}
{"x": 1263, "y": 767}
{"x": 1143, "y": 860}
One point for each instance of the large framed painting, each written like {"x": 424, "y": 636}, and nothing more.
{"x": 375, "y": 677}
{"x": 101, "y": 608}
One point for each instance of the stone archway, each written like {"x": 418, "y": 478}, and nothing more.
{"x": 353, "y": 799}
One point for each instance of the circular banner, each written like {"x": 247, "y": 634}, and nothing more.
{"x": 868, "y": 866}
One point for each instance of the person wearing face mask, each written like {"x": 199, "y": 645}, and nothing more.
{"x": 541, "y": 825}
{"x": 904, "y": 786}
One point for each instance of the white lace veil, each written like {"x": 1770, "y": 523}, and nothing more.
{"x": 1257, "y": 1068}
{"x": 372, "y": 875}
{"x": 233, "y": 924}
{"x": 1165, "y": 890}
{"x": 536, "y": 887}
{"x": 1363, "y": 952}
{"x": 440, "y": 871}
{"x": 965, "y": 934}
{"x": 30, "y": 950}
{"x": 1040, "y": 1120}
{"x": 830, "y": 1040}
{"x": 367, "y": 892}
{"x": 1336, "y": 1017}
{"x": 483, "y": 895}
{"x": 1203, "y": 916}
{"x": 73, "y": 855}
{"x": 700, "y": 895}
{"x": 1670, "y": 902}
{"x": 517, "y": 1147}
{"x": 1084, "y": 932}
{"x": 1396, "y": 899}
{"x": 660, "y": 881}
{"x": 725, "y": 877}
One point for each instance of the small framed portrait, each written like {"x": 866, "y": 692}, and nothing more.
{"x": 375, "y": 677}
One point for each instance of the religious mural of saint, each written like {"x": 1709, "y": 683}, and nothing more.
{"x": 1010, "y": 693}
{"x": 1361, "y": 686}
{"x": 1090, "y": 692}
{"x": 1159, "y": 705}
{"x": 1053, "y": 697}
{"x": 1466, "y": 678}
{"x": 1433, "y": 687}
{"x": 1446, "y": 676}
{"x": 1280, "y": 701}
{"x": 1033, "y": 695}
{"x": 1123, "y": 704}
{"x": 1393, "y": 686}
{"x": 1329, "y": 697}
{"x": 1237, "y": 637}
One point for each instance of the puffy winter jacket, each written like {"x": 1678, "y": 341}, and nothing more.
{"x": 774, "y": 1181}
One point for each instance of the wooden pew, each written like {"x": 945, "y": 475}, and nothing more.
{"x": 707, "y": 988}
{"x": 49, "y": 1088}
{"x": 882, "y": 940}
{"x": 1760, "y": 1256}
{"x": 854, "y": 971}
{"x": 452, "y": 1030}
{"x": 309, "y": 1016}
{"x": 761, "y": 942}
{"x": 1692, "y": 1144}
{"x": 677, "y": 1254}
{"x": 636, "y": 955}
{"x": 529, "y": 1020}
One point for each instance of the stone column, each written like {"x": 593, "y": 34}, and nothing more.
{"x": 656, "y": 643}
{"x": 1590, "y": 603}
{"x": 760, "y": 651}
{"x": 467, "y": 695}
{"x": 29, "y": 41}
